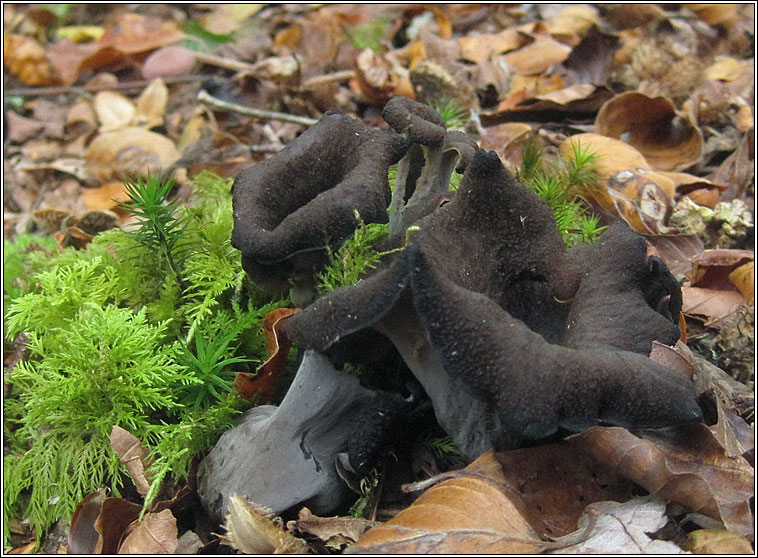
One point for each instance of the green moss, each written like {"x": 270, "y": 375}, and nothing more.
{"x": 561, "y": 183}
{"x": 143, "y": 329}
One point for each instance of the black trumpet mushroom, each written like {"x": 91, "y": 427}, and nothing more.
{"x": 512, "y": 336}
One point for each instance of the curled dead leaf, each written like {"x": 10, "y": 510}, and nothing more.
{"x": 667, "y": 139}
{"x": 129, "y": 151}
{"x": 266, "y": 379}
{"x": 114, "y": 110}
{"x": 710, "y": 305}
{"x": 537, "y": 57}
{"x": 335, "y": 532}
{"x": 744, "y": 279}
{"x": 715, "y": 541}
{"x": 623, "y": 529}
{"x": 25, "y": 58}
{"x": 83, "y": 538}
{"x": 629, "y": 187}
{"x": 683, "y": 464}
{"x": 151, "y": 105}
{"x": 133, "y": 455}
{"x": 156, "y": 533}
{"x": 252, "y": 529}
{"x": 466, "y": 514}
{"x": 480, "y": 48}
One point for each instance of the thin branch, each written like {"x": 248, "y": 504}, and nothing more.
{"x": 209, "y": 99}
{"x": 127, "y": 85}
{"x": 222, "y": 62}
{"x": 328, "y": 78}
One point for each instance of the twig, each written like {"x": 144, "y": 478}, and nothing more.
{"x": 222, "y": 62}
{"x": 59, "y": 90}
{"x": 209, "y": 99}
{"x": 328, "y": 78}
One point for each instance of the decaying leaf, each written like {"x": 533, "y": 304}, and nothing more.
{"x": 335, "y": 532}
{"x": 107, "y": 196}
{"x": 266, "y": 379}
{"x": 624, "y": 528}
{"x": 711, "y": 305}
{"x": 666, "y": 138}
{"x": 151, "y": 105}
{"x": 480, "y": 48}
{"x": 26, "y": 59}
{"x": 133, "y": 455}
{"x": 537, "y": 57}
{"x": 155, "y": 534}
{"x": 129, "y": 151}
{"x": 467, "y": 514}
{"x": 744, "y": 279}
{"x": 115, "y": 517}
{"x": 113, "y": 110}
{"x": 683, "y": 464}
{"x": 713, "y": 541}
{"x": 83, "y": 538}
{"x": 253, "y": 530}
{"x": 631, "y": 189}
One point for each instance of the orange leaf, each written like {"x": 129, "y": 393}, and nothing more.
{"x": 744, "y": 278}
{"x": 466, "y": 514}
{"x": 25, "y": 58}
{"x": 267, "y": 376}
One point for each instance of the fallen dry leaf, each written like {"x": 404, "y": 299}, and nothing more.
{"x": 25, "y": 58}
{"x": 133, "y": 455}
{"x": 252, "y": 529}
{"x": 666, "y": 138}
{"x": 556, "y": 482}
{"x": 683, "y": 464}
{"x": 710, "y": 305}
{"x": 266, "y": 379}
{"x": 481, "y": 48}
{"x": 129, "y": 151}
{"x": 744, "y": 279}
{"x": 623, "y": 529}
{"x": 156, "y": 533}
{"x": 466, "y": 514}
{"x": 114, "y": 110}
{"x": 151, "y": 105}
{"x": 714, "y": 541}
{"x": 83, "y": 538}
{"x": 630, "y": 188}
{"x": 537, "y": 57}
{"x": 115, "y": 517}
{"x": 335, "y": 532}
{"x": 107, "y": 196}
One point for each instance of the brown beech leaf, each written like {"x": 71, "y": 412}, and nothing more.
{"x": 129, "y": 151}
{"x": 115, "y": 517}
{"x": 676, "y": 251}
{"x": 151, "y": 105}
{"x": 537, "y": 57}
{"x": 744, "y": 279}
{"x": 683, "y": 464}
{"x": 266, "y": 379}
{"x": 466, "y": 514}
{"x": 252, "y": 529}
{"x": 106, "y": 196}
{"x": 631, "y": 189}
{"x": 480, "y": 48}
{"x": 716, "y": 541}
{"x": 732, "y": 432}
{"x": 712, "y": 268}
{"x": 156, "y": 533}
{"x": 666, "y": 138}
{"x": 335, "y": 532}
{"x": 113, "y": 110}
{"x": 579, "y": 101}
{"x": 710, "y": 305}
{"x": 623, "y": 529}
{"x": 83, "y": 538}
{"x": 133, "y": 455}
{"x": 678, "y": 358}
{"x": 25, "y": 58}
{"x": 556, "y": 482}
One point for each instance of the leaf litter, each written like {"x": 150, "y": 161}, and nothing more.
{"x": 537, "y": 72}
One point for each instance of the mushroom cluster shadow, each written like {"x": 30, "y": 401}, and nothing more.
{"x": 512, "y": 336}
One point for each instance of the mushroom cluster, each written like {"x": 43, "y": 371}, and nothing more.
{"x": 512, "y": 336}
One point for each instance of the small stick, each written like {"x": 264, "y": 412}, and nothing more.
{"x": 209, "y": 99}
{"x": 221, "y": 62}
{"x": 61, "y": 89}
{"x": 328, "y": 78}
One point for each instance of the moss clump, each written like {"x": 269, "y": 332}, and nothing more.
{"x": 143, "y": 329}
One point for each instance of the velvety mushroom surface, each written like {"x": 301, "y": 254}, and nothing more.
{"x": 512, "y": 336}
